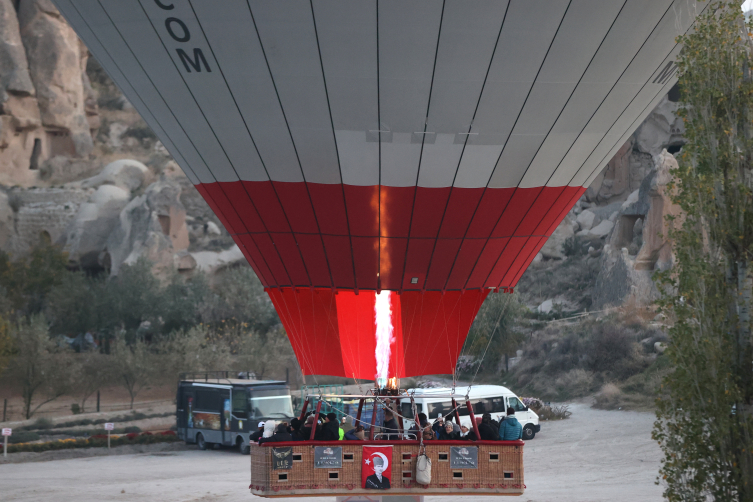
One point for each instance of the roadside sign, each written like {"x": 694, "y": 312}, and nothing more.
{"x": 109, "y": 426}
{"x": 6, "y": 433}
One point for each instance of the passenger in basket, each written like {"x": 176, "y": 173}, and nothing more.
{"x": 448, "y": 434}
{"x": 330, "y": 429}
{"x": 438, "y": 426}
{"x": 254, "y": 438}
{"x": 467, "y": 434}
{"x": 306, "y": 429}
{"x": 390, "y": 426}
{"x": 423, "y": 422}
{"x": 280, "y": 435}
{"x": 269, "y": 429}
{"x": 295, "y": 430}
{"x": 487, "y": 430}
{"x": 510, "y": 429}
{"x": 427, "y": 433}
{"x": 356, "y": 434}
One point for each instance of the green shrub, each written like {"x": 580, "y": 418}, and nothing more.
{"x": 75, "y": 409}
{"x": 91, "y": 443}
{"x": 132, "y": 428}
{"x": 42, "y": 423}
{"x": 23, "y": 437}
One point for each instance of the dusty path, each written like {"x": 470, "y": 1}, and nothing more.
{"x": 593, "y": 456}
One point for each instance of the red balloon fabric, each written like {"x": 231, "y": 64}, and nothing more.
{"x": 333, "y": 333}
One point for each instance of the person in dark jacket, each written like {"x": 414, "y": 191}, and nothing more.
{"x": 253, "y": 438}
{"x": 280, "y": 435}
{"x": 510, "y": 429}
{"x": 448, "y": 434}
{"x": 330, "y": 429}
{"x": 438, "y": 426}
{"x": 390, "y": 426}
{"x": 306, "y": 429}
{"x": 487, "y": 430}
{"x": 295, "y": 430}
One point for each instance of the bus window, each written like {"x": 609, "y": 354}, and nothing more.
{"x": 240, "y": 409}
{"x": 434, "y": 409}
{"x": 515, "y": 404}
{"x": 407, "y": 410}
{"x": 497, "y": 405}
{"x": 208, "y": 400}
{"x": 270, "y": 403}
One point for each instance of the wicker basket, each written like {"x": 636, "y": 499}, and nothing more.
{"x": 499, "y": 470}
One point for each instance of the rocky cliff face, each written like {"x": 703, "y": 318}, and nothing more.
{"x": 616, "y": 234}
{"x": 47, "y": 106}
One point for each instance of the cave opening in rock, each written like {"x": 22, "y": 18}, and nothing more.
{"x": 35, "y": 153}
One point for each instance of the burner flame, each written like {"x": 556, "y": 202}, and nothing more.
{"x": 384, "y": 338}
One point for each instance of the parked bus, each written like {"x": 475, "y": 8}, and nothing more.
{"x": 492, "y": 399}
{"x": 214, "y": 409}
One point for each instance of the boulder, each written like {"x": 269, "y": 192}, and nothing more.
{"x": 545, "y": 307}
{"x": 88, "y": 233}
{"x": 54, "y": 55}
{"x": 125, "y": 173}
{"x": 602, "y": 229}
{"x": 152, "y": 225}
{"x": 660, "y": 347}
{"x": 661, "y": 129}
{"x": 586, "y": 219}
{"x": 214, "y": 261}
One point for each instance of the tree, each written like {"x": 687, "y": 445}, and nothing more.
{"x": 38, "y": 365}
{"x": 191, "y": 350}
{"x": 73, "y": 306}
{"x": 133, "y": 365}
{"x": 28, "y": 280}
{"x": 92, "y": 371}
{"x": 266, "y": 354}
{"x": 704, "y": 423}
{"x": 493, "y": 335}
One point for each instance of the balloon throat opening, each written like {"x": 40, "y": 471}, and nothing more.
{"x": 384, "y": 338}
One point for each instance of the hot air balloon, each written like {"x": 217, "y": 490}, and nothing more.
{"x": 411, "y": 154}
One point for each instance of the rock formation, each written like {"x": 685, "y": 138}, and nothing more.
{"x": 47, "y": 106}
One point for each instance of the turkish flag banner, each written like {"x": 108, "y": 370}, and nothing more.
{"x": 376, "y": 470}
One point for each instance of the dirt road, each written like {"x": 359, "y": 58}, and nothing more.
{"x": 593, "y": 456}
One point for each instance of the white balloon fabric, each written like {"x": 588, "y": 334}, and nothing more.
{"x": 404, "y": 145}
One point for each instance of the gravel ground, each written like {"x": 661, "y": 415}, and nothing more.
{"x": 594, "y": 456}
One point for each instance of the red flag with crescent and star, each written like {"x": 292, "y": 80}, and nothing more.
{"x": 376, "y": 470}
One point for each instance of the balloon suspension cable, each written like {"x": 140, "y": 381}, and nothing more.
{"x": 496, "y": 326}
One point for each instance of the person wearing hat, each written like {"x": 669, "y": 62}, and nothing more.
{"x": 253, "y": 438}
{"x": 486, "y": 429}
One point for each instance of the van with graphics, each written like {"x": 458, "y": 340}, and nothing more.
{"x": 492, "y": 399}
{"x": 213, "y": 408}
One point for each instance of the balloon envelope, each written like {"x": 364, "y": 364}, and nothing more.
{"x": 414, "y": 146}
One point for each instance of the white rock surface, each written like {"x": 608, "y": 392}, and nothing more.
{"x": 125, "y": 173}
{"x": 602, "y": 229}
{"x": 545, "y": 307}
{"x": 586, "y": 219}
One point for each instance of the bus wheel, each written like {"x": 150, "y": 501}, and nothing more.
{"x": 200, "y": 441}
{"x": 244, "y": 448}
{"x": 528, "y": 432}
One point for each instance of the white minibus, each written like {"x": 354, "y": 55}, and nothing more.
{"x": 492, "y": 399}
